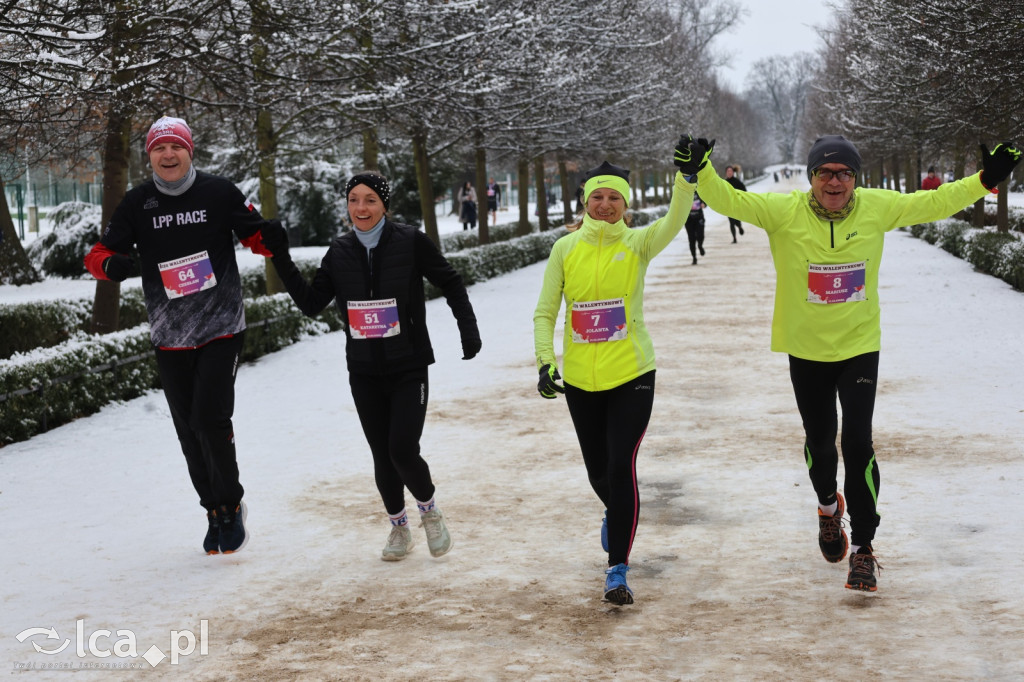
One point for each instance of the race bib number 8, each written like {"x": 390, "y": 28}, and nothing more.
{"x": 840, "y": 283}
{"x": 188, "y": 275}
{"x": 373, "y": 319}
{"x": 599, "y": 321}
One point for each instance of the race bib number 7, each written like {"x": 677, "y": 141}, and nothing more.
{"x": 841, "y": 283}
{"x": 188, "y": 275}
{"x": 599, "y": 321}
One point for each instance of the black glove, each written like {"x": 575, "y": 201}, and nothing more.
{"x": 998, "y": 164}
{"x": 118, "y": 267}
{"x": 470, "y": 347}
{"x": 275, "y": 238}
{"x": 691, "y": 155}
{"x": 547, "y": 385}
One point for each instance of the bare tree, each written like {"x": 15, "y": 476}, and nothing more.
{"x": 78, "y": 74}
{"x": 780, "y": 85}
{"x": 923, "y": 78}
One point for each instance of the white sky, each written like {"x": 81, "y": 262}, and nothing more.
{"x": 769, "y": 29}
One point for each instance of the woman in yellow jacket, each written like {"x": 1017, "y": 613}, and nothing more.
{"x": 599, "y": 269}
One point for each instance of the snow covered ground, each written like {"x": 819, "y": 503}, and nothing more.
{"x": 102, "y": 531}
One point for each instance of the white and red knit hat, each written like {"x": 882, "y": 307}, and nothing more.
{"x": 169, "y": 129}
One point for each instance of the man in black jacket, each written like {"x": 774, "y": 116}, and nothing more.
{"x": 181, "y": 223}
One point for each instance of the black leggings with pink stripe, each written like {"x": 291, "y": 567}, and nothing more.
{"x": 610, "y": 426}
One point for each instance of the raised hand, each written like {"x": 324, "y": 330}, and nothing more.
{"x": 692, "y": 154}
{"x": 999, "y": 163}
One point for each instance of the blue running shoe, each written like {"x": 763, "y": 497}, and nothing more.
{"x": 604, "y": 531}
{"x": 616, "y": 590}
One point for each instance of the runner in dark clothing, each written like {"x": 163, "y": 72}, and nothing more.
{"x": 375, "y": 274}
{"x": 182, "y": 223}
{"x": 730, "y": 177}
{"x": 695, "y": 227}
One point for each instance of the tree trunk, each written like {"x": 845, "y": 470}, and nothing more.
{"x": 482, "y": 216}
{"x": 917, "y": 176}
{"x": 266, "y": 145}
{"x": 15, "y": 267}
{"x": 107, "y": 301}
{"x": 523, "y": 172}
{"x": 978, "y": 214}
{"x": 631, "y": 200}
{"x": 117, "y": 128}
{"x": 959, "y": 158}
{"x": 266, "y": 139}
{"x": 371, "y": 149}
{"x": 424, "y": 185}
{"x": 542, "y": 194}
{"x": 567, "y": 194}
{"x": 1002, "y": 207}
{"x": 908, "y": 170}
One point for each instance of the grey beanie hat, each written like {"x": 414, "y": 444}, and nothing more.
{"x": 832, "y": 149}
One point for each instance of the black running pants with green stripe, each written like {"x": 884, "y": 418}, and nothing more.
{"x": 610, "y": 426}
{"x": 816, "y": 385}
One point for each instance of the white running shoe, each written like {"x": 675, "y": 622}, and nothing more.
{"x": 399, "y": 544}
{"x": 438, "y": 539}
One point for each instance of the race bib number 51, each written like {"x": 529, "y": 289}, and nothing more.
{"x": 839, "y": 283}
{"x": 373, "y": 319}
{"x": 599, "y": 321}
{"x": 185, "y": 276}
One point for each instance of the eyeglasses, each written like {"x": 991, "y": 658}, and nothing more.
{"x": 826, "y": 175}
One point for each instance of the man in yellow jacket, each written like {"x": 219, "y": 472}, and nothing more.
{"x": 827, "y": 248}
{"x": 598, "y": 269}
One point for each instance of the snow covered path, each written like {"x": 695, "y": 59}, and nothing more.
{"x": 100, "y": 523}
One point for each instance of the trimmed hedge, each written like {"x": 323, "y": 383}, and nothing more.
{"x": 42, "y": 324}
{"x": 47, "y": 387}
{"x": 1000, "y": 254}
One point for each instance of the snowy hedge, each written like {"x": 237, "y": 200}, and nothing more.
{"x": 41, "y": 324}
{"x": 68, "y": 373}
{"x": 1000, "y": 254}
{"x": 47, "y": 387}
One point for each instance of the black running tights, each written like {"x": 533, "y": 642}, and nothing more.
{"x": 610, "y": 426}
{"x": 816, "y": 385}
{"x": 392, "y": 410}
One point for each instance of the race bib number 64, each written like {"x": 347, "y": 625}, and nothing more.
{"x": 186, "y": 276}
